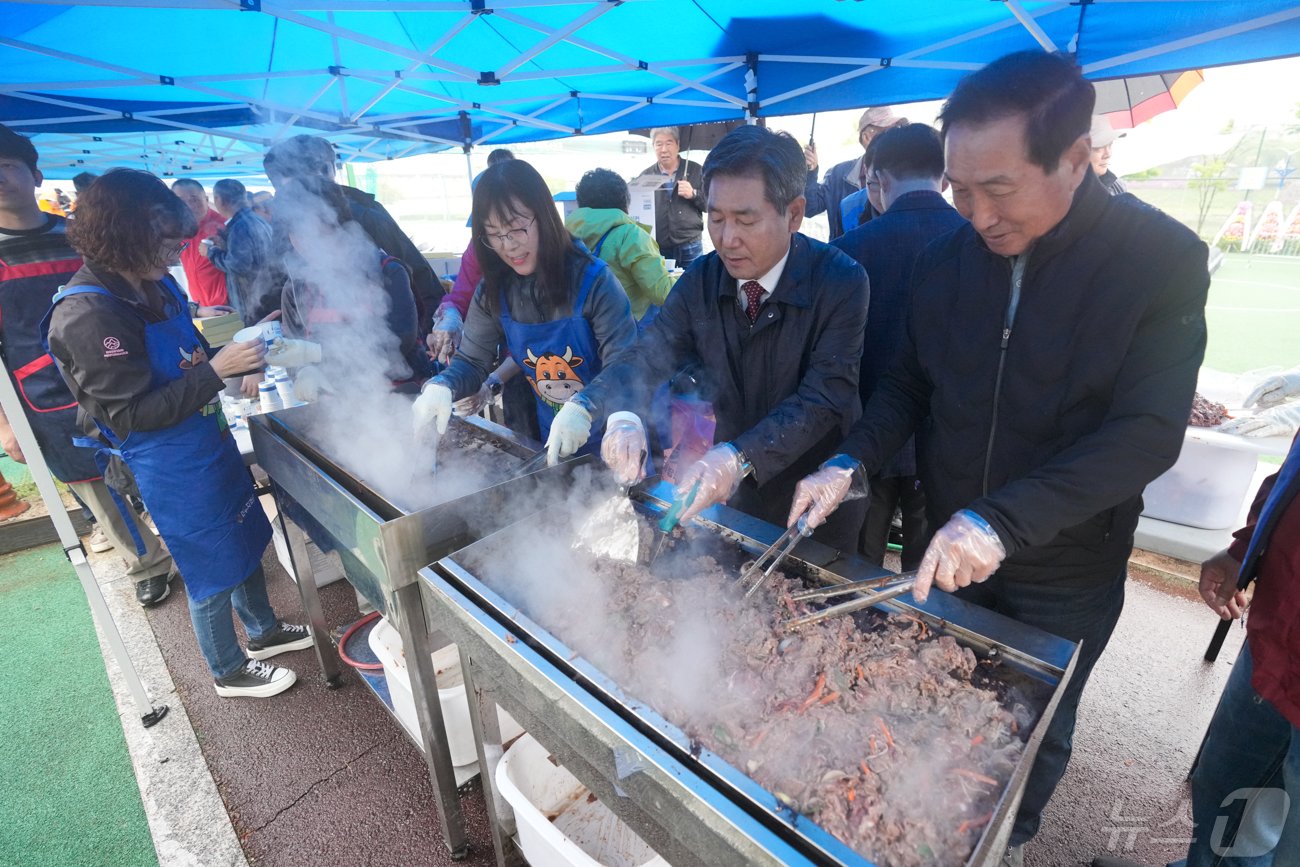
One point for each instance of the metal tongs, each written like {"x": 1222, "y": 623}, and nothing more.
{"x": 786, "y": 542}
{"x": 536, "y": 462}
{"x": 880, "y": 591}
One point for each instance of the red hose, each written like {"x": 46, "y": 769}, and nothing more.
{"x": 343, "y": 644}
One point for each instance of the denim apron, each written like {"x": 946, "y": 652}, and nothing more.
{"x": 190, "y": 475}
{"x": 558, "y": 357}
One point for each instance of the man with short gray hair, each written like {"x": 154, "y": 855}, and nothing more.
{"x": 245, "y": 253}
{"x": 679, "y": 206}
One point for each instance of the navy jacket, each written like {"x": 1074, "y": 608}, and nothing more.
{"x": 784, "y": 390}
{"x": 828, "y": 195}
{"x": 1049, "y": 427}
{"x": 888, "y": 247}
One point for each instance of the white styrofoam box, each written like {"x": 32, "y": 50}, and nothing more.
{"x": 560, "y": 822}
{"x": 1207, "y": 485}
{"x": 387, "y": 645}
{"x": 326, "y": 568}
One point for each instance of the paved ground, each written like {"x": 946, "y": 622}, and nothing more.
{"x": 318, "y": 776}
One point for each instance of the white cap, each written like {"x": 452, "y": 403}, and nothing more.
{"x": 1102, "y": 132}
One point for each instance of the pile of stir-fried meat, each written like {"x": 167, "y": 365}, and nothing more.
{"x": 878, "y": 735}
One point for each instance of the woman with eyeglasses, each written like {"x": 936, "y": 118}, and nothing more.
{"x": 559, "y": 311}
{"x": 125, "y": 342}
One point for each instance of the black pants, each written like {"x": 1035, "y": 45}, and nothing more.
{"x": 1087, "y": 615}
{"x": 887, "y": 494}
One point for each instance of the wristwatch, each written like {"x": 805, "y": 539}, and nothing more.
{"x": 745, "y": 466}
{"x": 494, "y": 385}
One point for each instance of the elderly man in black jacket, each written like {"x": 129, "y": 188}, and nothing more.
{"x": 1053, "y": 345}
{"x": 774, "y": 319}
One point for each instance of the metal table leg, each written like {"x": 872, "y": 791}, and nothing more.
{"x": 326, "y": 654}
{"x": 487, "y": 736}
{"x": 407, "y": 614}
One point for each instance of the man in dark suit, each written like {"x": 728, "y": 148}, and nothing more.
{"x": 773, "y": 320}
{"x": 907, "y": 162}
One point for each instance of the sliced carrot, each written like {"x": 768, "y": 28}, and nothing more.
{"x": 977, "y": 777}
{"x": 866, "y": 769}
{"x": 818, "y": 689}
{"x": 829, "y": 698}
{"x": 889, "y": 738}
{"x": 977, "y": 740}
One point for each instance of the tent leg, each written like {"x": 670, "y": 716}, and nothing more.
{"x": 76, "y": 554}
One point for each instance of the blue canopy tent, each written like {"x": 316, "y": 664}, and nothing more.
{"x": 203, "y": 86}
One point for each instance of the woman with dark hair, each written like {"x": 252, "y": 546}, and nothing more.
{"x": 341, "y": 287}
{"x": 559, "y": 310}
{"x": 602, "y": 223}
{"x": 122, "y": 334}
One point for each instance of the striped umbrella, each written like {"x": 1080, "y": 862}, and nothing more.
{"x": 1127, "y": 102}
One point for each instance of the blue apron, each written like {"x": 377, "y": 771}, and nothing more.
{"x": 190, "y": 475}
{"x": 558, "y": 357}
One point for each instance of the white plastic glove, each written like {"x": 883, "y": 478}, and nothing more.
{"x": 433, "y": 406}
{"x": 1275, "y": 389}
{"x": 309, "y": 382}
{"x": 570, "y": 430}
{"x": 293, "y": 353}
{"x": 821, "y": 493}
{"x": 965, "y": 551}
{"x": 624, "y": 447}
{"x": 1278, "y": 421}
{"x": 718, "y": 473}
{"x": 473, "y": 405}
{"x": 444, "y": 339}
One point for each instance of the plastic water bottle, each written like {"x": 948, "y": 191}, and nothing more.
{"x": 268, "y": 397}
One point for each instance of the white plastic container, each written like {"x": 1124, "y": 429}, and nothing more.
{"x": 387, "y": 645}
{"x": 268, "y": 398}
{"x": 1207, "y": 486}
{"x": 560, "y": 822}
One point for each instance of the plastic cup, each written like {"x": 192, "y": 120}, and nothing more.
{"x": 670, "y": 264}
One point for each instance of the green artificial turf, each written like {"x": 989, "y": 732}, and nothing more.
{"x": 68, "y": 795}
{"x": 1253, "y": 314}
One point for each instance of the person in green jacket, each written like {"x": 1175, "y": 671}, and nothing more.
{"x": 602, "y": 223}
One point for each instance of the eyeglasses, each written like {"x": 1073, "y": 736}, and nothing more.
{"x": 171, "y": 252}
{"x": 514, "y": 236}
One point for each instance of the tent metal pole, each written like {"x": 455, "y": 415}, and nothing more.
{"x": 76, "y": 554}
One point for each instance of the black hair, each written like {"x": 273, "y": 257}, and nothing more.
{"x": 187, "y": 182}
{"x": 17, "y": 147}
{"x": 500, "y": 155}
{"x": 302, "y": 154}
{"x": 230, "y": 191}
{"x": 908, "y": 152}
{"x": 502, "y": 193}
{"x": 1047, "y": 90}
{"x": 83, "y": 180}
{"x": 754, "y": 151}
{"x": 602, "y": 188}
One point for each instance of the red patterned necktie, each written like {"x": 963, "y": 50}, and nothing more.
{"x": 754, "y": 292}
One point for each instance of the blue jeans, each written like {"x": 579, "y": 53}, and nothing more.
{"x": 215, "y": 628}
{"x": 1250, "y": 757}
{"x": 685, "y": 254}
{"x": 1084, "y": 614}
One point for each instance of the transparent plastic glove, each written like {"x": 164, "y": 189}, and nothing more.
{"x": 1275, "y": 389}
{"x": 840, "y": 478}
{"x": 293, "y": 353}
{"x": 473, "y": 405}
{"x": 433, "y": 406}
{"x": 624, "y": 447}
{"x": 1278, "y": 421}
{"x": 965, "y": 551}
{"x": 444, "y": 339}
{"x": 718, "y": 472}
{"x": 309, "y": 382}
{"x": 570, "y": 431}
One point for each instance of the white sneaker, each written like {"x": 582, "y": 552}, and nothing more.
{"x": 98, "y": 541}
{"x": 256, "y": 680}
